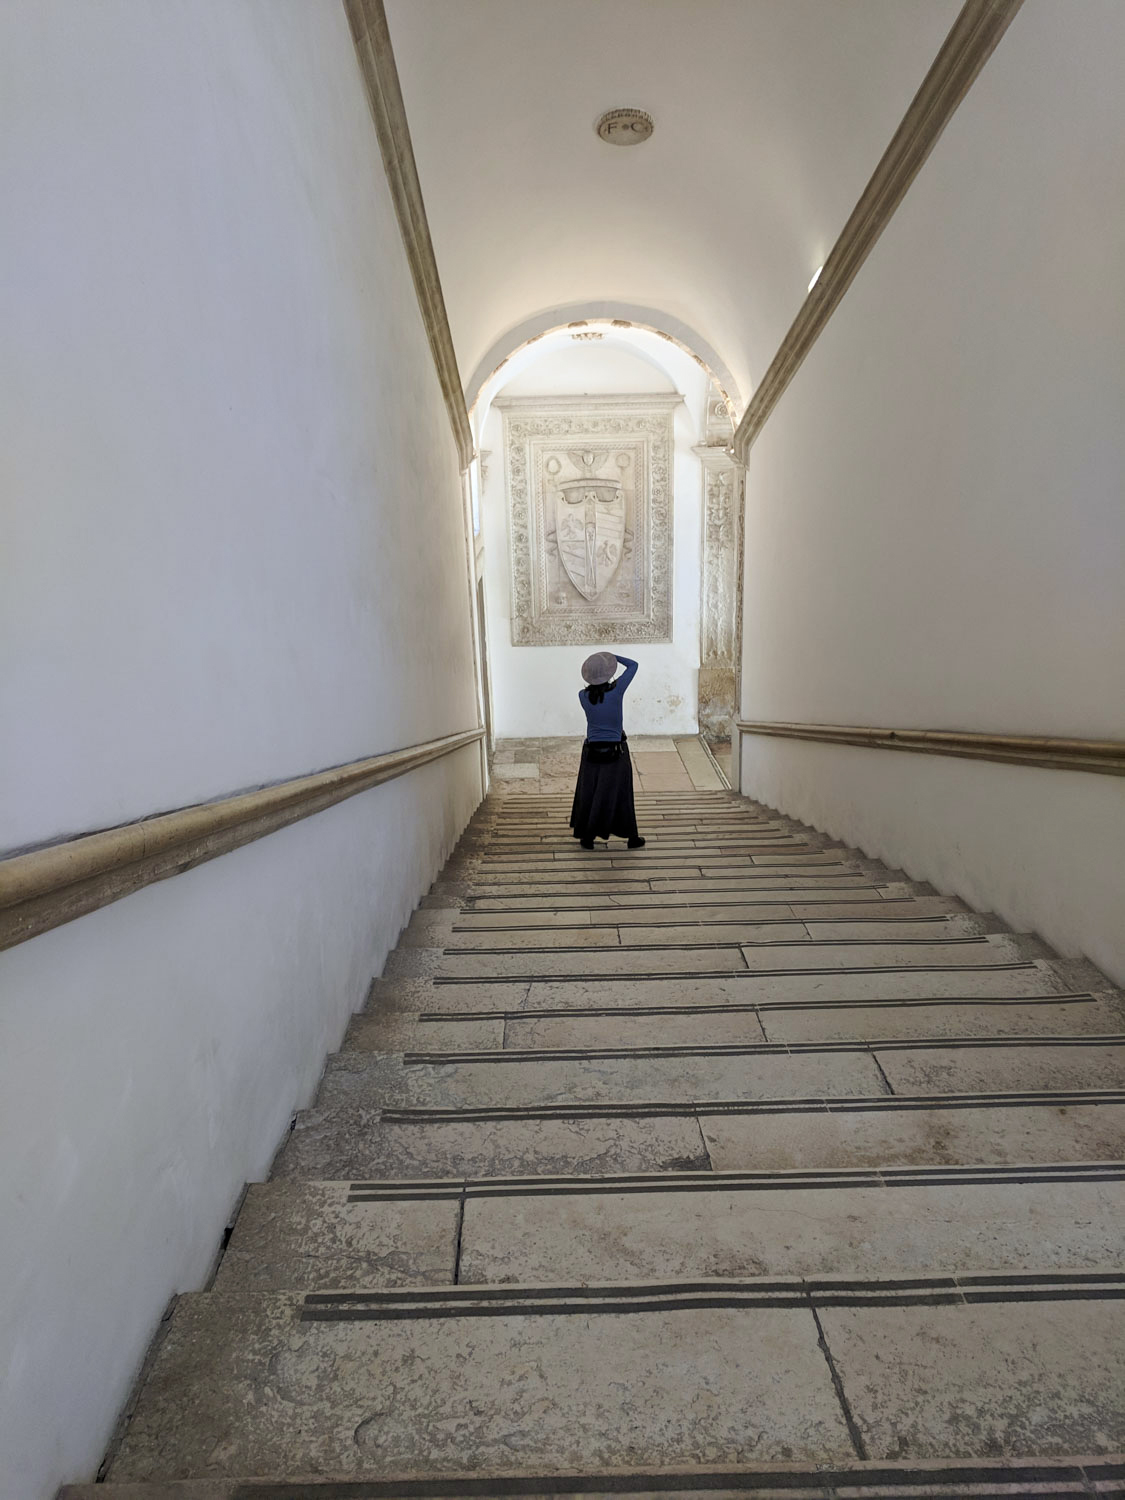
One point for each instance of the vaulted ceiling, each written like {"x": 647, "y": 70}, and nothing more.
{"x": 770, "y": 117}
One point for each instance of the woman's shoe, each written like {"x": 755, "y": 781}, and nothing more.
{"x": 586, "y": 843}
{"x": 637, "y": 843}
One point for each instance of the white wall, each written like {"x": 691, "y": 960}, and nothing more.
{"x": 535, "y": 688}
{"x": 233, "y": 551}
{"x": 935, "y": 516}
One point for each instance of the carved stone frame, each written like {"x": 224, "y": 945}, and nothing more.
{"x": 645, "y": 420}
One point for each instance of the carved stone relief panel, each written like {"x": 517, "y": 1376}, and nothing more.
{"x": 590, "y": 497}
{"x": 721, "y": 597}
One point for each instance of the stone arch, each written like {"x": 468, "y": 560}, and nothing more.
{"x": 622, "y": 315}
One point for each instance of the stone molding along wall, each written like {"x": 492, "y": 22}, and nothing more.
{"x": 47, "y": 887}
{"x": 368, "y": 23}
{"x": 1102, "y": 757}
{"x": 590, "y": 484}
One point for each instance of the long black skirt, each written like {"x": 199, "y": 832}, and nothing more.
{"x": 603, "y": 799}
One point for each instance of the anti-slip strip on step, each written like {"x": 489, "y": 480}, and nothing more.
{"x": 959, "y": 1479}
{"x": 757, "y": 1049}
{"x": 619, "y": 1012}
{"x": 727, "y": 945}
{"x": 593, "y": 928}
{"x": 844, "y": 1104}
{"x": 731, "y": 893}
{"x": 731, "y": 899}
{"x": 650, "y": 976}
{"x": 823, "y": 1179}
{"x": 788, "y": 1292}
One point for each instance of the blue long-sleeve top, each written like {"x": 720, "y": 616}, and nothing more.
{"x": 603, "y": 720}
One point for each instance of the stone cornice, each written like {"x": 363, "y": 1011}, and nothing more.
{"x": 50, "y": 886}
{"x": 966, "y": 49}
{"x": 368, "y": 22}
{"x": 1104, "y": 757}
{"x": 608, "y": 401}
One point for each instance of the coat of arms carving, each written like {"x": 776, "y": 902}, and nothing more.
{"x": 591, "y": 518}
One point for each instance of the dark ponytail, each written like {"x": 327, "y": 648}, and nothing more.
{"x": 597, "y": 691}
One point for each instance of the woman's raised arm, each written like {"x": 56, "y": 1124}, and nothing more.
{"x": 630, "y": 670}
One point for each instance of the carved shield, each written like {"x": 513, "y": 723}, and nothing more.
{"x": 590, "y": 531}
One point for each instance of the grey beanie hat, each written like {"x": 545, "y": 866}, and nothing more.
{"x": 599, "y": 668}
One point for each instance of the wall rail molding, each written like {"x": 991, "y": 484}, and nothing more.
{"x": 372, "y": 37}
{"x": 971, "y": 41}
{"x": 1104, "y": 757}
{"x": 49, "y": 886}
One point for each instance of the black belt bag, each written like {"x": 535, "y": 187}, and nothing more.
{"x": 600, "y": 752}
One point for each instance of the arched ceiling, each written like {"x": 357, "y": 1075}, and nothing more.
{"x": 770, "y": 117}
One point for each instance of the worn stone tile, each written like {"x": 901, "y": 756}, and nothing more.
{"x": 270, "y": 1394}
{"x": 699, "y": 919}
{"x": 868, "y": 1231}
{"x": 515, "y": 770}
{"x": 403, "y": 1033}
{"x": 533, "y": 938}
{"x": 412, "y": 963}
{"x": 938, "y": 927}
{"x": 305, "y": 1236}
{"x": 427, "y": 929}
{"x": 858, "y": 906}
{"x": 704, "y": 776}
{"x": 515, "y": 1080}
{"x": 797, "y": 860}
{"x": 652, "y": 744}
{"x": 1015, "y": 1068}
{"x": 707, "y": 905}
{"x": 963, "y": 1019}
{"x": 424, "y": 995}
{"x": 608, "y": 961}
{"x": 740, "y": 932}
{"x": 519, "y": 1148}
{"x": 624, "y": 1029}
{"x": 662, "y": 782}
{"x": 1009, "y": 1378}
{"x": 522, "y": 902}
{"x": 498, "y": 921}
{"x": 1007, "y": 1135}
{"x": 860, "y": 955}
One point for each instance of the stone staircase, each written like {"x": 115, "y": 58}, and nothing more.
{"x": 735, "y": 1165}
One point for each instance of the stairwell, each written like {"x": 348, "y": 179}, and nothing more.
{"x": 735, "y": 1165}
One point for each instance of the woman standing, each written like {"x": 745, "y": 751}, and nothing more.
{"x": 603, "y": 798}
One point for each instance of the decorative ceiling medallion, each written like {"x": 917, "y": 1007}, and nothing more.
{"x": 625, "y": 127}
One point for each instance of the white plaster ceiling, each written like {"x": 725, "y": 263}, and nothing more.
{"x": 770, "y": 117}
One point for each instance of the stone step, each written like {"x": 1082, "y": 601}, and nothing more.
{"x": 372, "y": 1081}
{"x": 392, "y": 1382}
{"x": 1006, "y": 1129}
{"x": 752, "y": 1071}
{"x": 1056, "y": 1478}
{"x": 762, "y": 925}
{"x": 889, "y": 1019}
{"x": 1033, "y": 978}
{"x": 309, "y": 1236}
{"x": 619, "y": 914}
{"x": 691, "y": 900}
{"x": 484, "y": 894}
{"x": 637, "y": 864}
{"x": 768, "y": 955}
